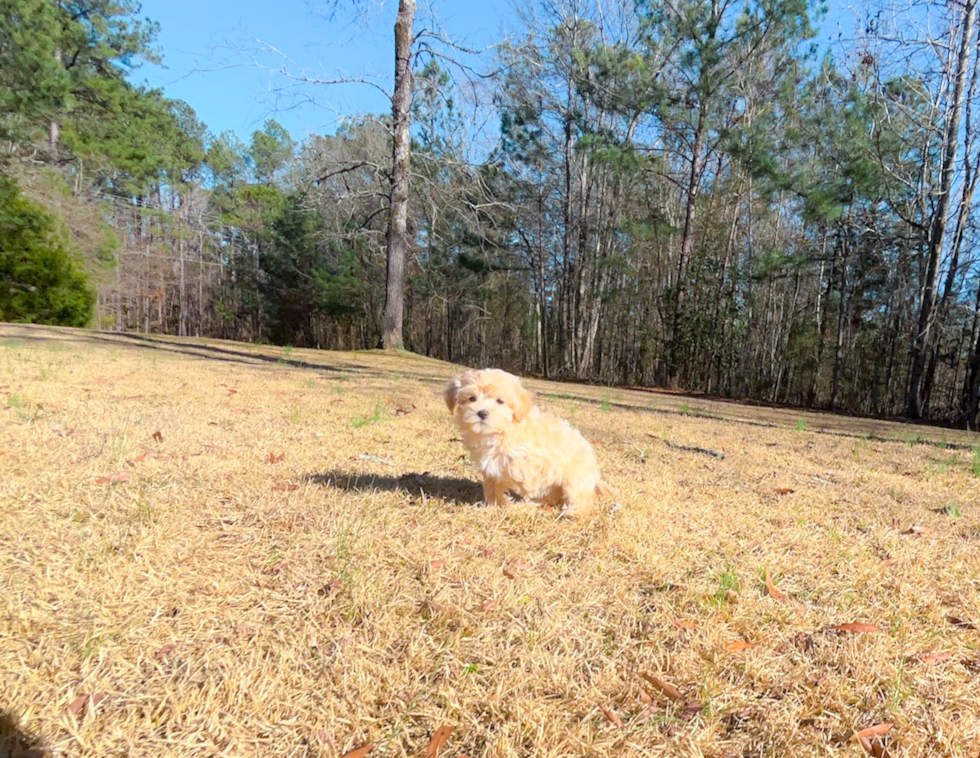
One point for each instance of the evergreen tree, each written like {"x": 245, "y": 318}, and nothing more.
{"x": 40, "y": 282}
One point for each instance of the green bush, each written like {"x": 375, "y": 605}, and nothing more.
{"x": 40, "y": 282}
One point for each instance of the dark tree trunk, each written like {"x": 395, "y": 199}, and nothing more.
{"x": 687, "y": 248}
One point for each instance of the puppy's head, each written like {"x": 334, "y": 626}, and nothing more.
{"x": 487, "y": 401}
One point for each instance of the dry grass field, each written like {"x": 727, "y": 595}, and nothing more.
{"x": 214, "y": 549}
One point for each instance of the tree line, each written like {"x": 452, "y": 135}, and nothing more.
{"x": 695, "y": 194}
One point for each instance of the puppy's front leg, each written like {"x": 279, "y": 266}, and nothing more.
{"x": 494, "y": 492}
{"x": 577, "y": 502}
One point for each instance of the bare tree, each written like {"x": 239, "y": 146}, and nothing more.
{"x": 936, "y": 238}
{"x": 401, "y": 166}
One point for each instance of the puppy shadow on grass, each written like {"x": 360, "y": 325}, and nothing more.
{"x": 464, "y": 491}
{"x": 14, "y": 743}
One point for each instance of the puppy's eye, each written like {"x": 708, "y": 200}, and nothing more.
{"x": 472, "y": 398}
{"x": 500, "y": 400}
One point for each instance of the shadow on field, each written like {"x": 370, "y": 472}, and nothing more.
{"x": 206, "y": 350}
{"x": 454, "y": 490}
{"x": 14, "y": 743}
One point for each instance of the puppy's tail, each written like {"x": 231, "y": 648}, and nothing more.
{"x": 605, "y": 489}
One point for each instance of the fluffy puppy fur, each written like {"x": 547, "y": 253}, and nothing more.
{"x": 520, "y": 448}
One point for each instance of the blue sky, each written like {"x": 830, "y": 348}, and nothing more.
{"x": 220, "y": 56}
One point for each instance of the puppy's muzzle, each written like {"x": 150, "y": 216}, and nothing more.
{"x": 483, "y": 415}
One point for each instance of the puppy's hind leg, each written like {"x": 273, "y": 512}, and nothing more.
{"x": 605, "y": 489}
{"x": 494, "y": 492}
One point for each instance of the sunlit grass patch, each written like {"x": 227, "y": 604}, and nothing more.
{"x": 287, "y": 570}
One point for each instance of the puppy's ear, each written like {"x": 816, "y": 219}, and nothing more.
{"x": 450, "y": 393}
{"x": 524, "y": 399}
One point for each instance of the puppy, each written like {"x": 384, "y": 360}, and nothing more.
{"x": 519, "y": 447}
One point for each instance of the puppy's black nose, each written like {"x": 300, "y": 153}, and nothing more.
{"x": 483, "y": 414}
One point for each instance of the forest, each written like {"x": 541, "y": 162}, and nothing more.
{"x": 695, "y": 194}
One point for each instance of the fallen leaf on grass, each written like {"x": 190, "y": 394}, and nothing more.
{"x": 119, "y": 476}
{"x": 328, "y": 589}
{"x": 665, "y": 687}
{"x": 739, "y": 645}
{"x": 685, "y": 623}
{"x": 864, "y": 739}
{"x": 960, "y": 623}
{"x": 285, "y": 487}
{"x": 399, "y": 411}
{"x": 273, "y": 458}
{"x": 232, "y": 391}
{"x": 157, "y": 436}
{"x": 436, "y": 564}
{"x": 857, "y": 627}
{"x": 164, "y": 651}
{"x": 935, "y": 658}
{"x": 773, "y": 591}
{"x": 438, "y": 740}
{"x": 778, "y": 491}
{"x": 76, "y": 705}
{"x": 610, "y": 714}
{"x": 514, "y": 567}
{"x": 873, "y": 731}
{"x": 691, "y": 709}
{"x": 359, "y": 751}
{"x": 917, "y": 529}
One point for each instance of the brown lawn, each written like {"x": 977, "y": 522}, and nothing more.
{"x": 216, "y": 549}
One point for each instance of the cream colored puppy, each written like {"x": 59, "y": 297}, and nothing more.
{"x": 519, "y": 447}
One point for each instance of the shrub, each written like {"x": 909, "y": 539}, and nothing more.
{"x": 40, "y": 282}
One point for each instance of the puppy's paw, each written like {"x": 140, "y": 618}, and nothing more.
{"x": 574, "y": 512}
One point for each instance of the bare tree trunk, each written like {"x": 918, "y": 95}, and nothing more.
{"x": 181, "y": 244}
{"x": 398, "y": 243}
{"x": 54, "y": 129}
{"x": 687, "y": 248}
{"x": 969, "y": 184}
{"x": 566, "y": 244}
{"x": 841, "y": 317}
{"x": 821, "y": 324}
{"x": 918, "y": 391}
{"x": 54, "y": 137}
